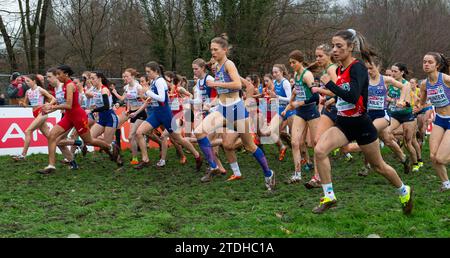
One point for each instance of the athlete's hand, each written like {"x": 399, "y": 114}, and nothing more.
{"x": 211, "y": 84}
{"x": 283, "y": 114}
{"x": 133, "y": 115}
{"x": 329, "y": 103}
{"x": 88, "y": 111}
{"x": 315, "y": 90}
{"x": 401, "y": 104}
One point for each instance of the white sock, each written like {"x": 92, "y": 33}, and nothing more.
{"x": 402, "y": 190}
{"x": 328, "y": 191}
{"x": 446, "y": 184}
{"x": 50, "y": 166}
{"x": 235, "y": 167}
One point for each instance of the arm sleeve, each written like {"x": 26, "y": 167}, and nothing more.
{"x": 314, "y": 99}
{"x": 105, "y": 106}
{"x": 288, "y": 90}
{"x": 160, "y": 86}
{"x": 358, "y": 80}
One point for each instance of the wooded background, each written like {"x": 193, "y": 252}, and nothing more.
{"x": 111, "y": 35}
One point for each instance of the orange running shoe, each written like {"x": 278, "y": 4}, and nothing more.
{"x": 134, "y": 162}
{"x": 282, "y": 153}
{"x": 234, "y": 178}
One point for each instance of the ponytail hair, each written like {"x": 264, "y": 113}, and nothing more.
{"x": 100, "y": 75}
{"x": 34, "y": 77}
{"x": 282, "y": 68}
{"x": 441, "y": 61}
{"x": 66, "y": 69}
{"x": 360, "y": 46}
{"x": 403, "y": 68}
{"x": 222, "y": 40}
{"x": 154, "y": 66}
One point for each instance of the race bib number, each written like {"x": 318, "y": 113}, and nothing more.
{"x": 175, "y": 105}
{"x": 376, "y": 103}
{"x": 343, "y": 105}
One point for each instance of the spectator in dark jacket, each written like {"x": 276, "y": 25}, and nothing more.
{"x": 2, "y": 99}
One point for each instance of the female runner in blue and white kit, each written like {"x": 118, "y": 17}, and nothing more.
{"x": 437, "y": 89}
{"x": 161, "y": 115}
{"x": 231, "y": 111}
{"x": 280, "y": 98}
{"x": 103, "y": 105}
{"x": 132, "y": 96}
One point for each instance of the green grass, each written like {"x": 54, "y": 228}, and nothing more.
{"x": 96, "y": 201}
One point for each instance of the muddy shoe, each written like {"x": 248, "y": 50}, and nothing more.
{"x": 313, "y": 183}
{"x": 270, "y": 182}
{"x": 325, "y": 204}
{"x": 210, "y": 173}
{"x": 47, "y": 170}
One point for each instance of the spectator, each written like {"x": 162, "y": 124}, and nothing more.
{"x": 16, "y": 89}
{"x": 2, "y": 99}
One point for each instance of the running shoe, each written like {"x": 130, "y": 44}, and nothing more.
{"x": 363, "y": 172}
{"x": 313, "y": 183}
{"x": 234, "y": 178}
{"x": 134, "y": 162}
{"x": 282, "y": 153}
{"x": 84, "y": 150}
{"x": 47, "y": 170}
{"x": 198, "y": 163}
{"x": 407, "y": 166}
{"x": 161, "y": 163}
{"x": 326, "y": 203}
{"x": 348, "y": 157}
{"x": 444, "y": 189}
{"x": 421, "y": 164}
{"x": 335, "y": 152}
{"x": 270, "y": 182}
{"x": 142, "y": 165}
{"x": 73, "y": 165}
{"x": 308, "y": 167}
{"x": 18, "y": 158}
{"x": 210, "y": 173}
{"x": 295, "y": 178}
{"x": 407, "y": 201}
{"x": 416, "y": 168}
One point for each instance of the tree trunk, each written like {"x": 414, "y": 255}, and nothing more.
{"x": 9, "y": 47}
{"x": 42, "y": 35}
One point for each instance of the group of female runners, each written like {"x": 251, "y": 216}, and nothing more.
{"x": 340, "y": 102}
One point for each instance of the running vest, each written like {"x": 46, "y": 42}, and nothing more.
{"x": 302, "y": 91}
{"x": 207, "y": 93}
{"x": 75, "y": 98}
{"x": 279, "y": 90}
{"x": 223, "y": 76}
{"x": 377, "y": 96}
{"x": 395, "y": 93}
{"x": 60, "y": 95}
{"x": 89, "y": 100}
{"x": 439, "y": 93}
{"x": 132, "y": 95}
{"x": 35, "y": 97}
{"x": 98, "y": 98}
{"x": 83, "y": 100}
{"x": 175, "y": 101}
{"x": 156, "y": 105}
{"x": 344, "y": 108}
